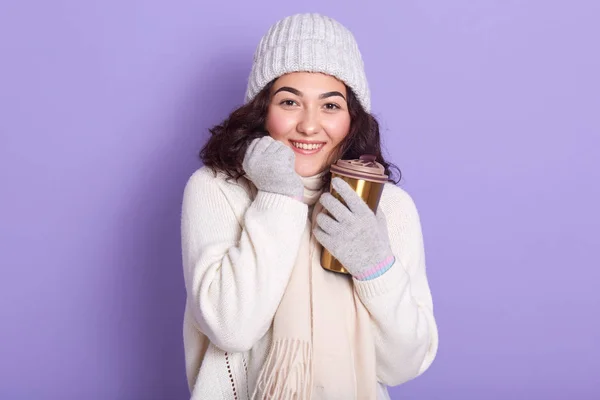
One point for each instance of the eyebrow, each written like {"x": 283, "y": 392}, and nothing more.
{"x": 331, "y": 94}
{"x": 299, "y": 93}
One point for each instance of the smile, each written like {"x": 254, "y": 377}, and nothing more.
{"x": 307, "y": 148}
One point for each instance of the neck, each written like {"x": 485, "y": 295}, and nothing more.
{"x": 313, "y": 186}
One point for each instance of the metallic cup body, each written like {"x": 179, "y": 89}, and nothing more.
{"x": 370, "y": 192}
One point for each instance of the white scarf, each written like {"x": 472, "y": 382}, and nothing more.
{"x": 322, "y": 345}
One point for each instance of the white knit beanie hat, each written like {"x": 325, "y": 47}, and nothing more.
{"x": 309, "y": 43}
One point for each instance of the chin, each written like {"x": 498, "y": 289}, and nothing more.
{"x": 309, "y": 167}
{"x": 306, "y": 172}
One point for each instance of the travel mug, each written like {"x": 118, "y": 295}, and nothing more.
{"x": 367, "y": 177}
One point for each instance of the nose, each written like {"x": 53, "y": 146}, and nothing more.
{"x": 309, "y": 123}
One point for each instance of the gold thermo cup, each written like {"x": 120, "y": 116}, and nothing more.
{"x": 367, "y": 177}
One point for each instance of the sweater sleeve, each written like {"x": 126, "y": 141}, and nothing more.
{"x": 235, "y": 275}
{"x": 400, "y": 301}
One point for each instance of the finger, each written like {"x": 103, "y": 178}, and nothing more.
{"x": 350, "y": 197}
{"x": 322, "y": 237}
{"x": 328, "y": 224}
{"x": 381, "y": 219}
{"x": 282, "y": 152}
{"x": 274, "y": 147}
{"x": 252, "y": 146}
{"x": 380, "y": 216}
{"x": 280, "y": 147}
{"x": 249, "y": 154}
{"x": 335, "y": 207}
{"x": 263, "y": 143}
{"x": 288, "y": 154}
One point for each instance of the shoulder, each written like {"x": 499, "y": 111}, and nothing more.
{"x": 208, "y": 181}
{"x": 205, "y": 176}
{"x": 394, "y": 196}
{"x": 397, "y": 204}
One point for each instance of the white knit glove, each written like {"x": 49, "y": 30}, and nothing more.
{"x": 270, "y": 165}
{"x": 353, "y": 234}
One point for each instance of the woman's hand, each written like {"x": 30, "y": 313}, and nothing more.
{"x": 353, "y": 234}
{"x": 270, "y": 165}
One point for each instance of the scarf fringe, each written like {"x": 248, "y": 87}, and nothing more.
{"x": 287, "y": 373}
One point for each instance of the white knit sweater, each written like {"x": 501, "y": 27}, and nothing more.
{"x": 238, "y": 250}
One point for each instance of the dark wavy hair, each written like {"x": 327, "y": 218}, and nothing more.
{"x": 226, "y": 147}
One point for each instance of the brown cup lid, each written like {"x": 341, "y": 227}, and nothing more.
{"x": 365, "y": 168}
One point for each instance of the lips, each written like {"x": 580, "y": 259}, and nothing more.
{"x": 307, "y": 147}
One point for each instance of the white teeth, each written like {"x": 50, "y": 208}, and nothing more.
{"x": 305, "y": 146}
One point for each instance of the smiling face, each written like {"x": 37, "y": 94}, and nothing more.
{"x": 308, "y": 112}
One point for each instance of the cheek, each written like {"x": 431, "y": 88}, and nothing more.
{"x": 278, "y": 124}
{"x": 338, "y": 129}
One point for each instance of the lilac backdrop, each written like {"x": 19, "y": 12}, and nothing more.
{"x": 491, "y": 108}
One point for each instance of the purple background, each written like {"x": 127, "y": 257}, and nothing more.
{"x": 491, "y": 109}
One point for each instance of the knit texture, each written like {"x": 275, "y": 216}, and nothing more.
{"x": 377, "y": 270}
{"x": 314, "y": 354}
{"x": 235, "y": 277}
{"x": 269, "y": 164}
{"x": 309, "y": 43}
{"x": 353, "y": 234}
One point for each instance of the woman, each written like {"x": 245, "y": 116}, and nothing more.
{"x": 263, "y": 319}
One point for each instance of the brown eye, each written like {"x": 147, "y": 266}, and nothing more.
{"x": 288, "y": 103}
{"x": 332, "y": 106}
